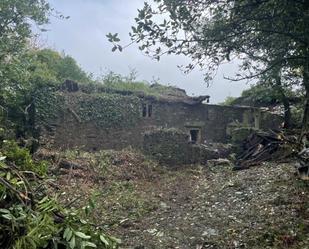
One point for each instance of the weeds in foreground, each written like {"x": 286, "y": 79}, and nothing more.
{"x": 30, "y": 218}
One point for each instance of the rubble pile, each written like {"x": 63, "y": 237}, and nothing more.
{"x": 261, "y": 146}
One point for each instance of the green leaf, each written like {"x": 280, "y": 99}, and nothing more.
{"x": 72, "y": 243}
{"x": 134, "y": 29}
{"x": 8, "y": 176}
{"x": 92, "y": 203}
{"x": 66, "y": 231}
{"x": 32, "y": 242}
{"x": 83, "y": 221}
{"x": 89, "y": 244}
{"x": 115, "y": 239}
{"x": 3, "y": 210}
{"x": 105, "y": 242}
{"x": 67, "y": 235}
{"x": 43, "y": 200}
{"x": 82, "y": 235}
{"x": 8, "y": 216}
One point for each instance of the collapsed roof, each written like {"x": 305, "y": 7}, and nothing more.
{"x": 157, "y": 92}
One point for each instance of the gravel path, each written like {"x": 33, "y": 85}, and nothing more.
{"x": 262, "y": 207}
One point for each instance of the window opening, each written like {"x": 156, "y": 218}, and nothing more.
{"x": 149, "y": 110}
{"x": 194, "y": 135}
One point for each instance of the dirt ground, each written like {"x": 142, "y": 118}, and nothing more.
{"x": 149, "y": 206}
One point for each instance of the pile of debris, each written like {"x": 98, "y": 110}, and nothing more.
{"x": 263, "y": 146}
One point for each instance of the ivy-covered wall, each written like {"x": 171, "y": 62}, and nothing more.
{"x": 88, "y": 121}
{"x": 94, "y": 121}
{"x": 48, "y": 106}
{"x": 106, "y": 110}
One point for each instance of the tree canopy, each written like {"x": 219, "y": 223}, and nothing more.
{"x": 16, "y": 17}
{"x": 24, "y": 68}
{"x": 268, "y": 37}
{"x": 213, "y": 31}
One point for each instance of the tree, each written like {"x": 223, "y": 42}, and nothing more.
{"x": 229, "y": 100}
{"x": 62, "y": 66}
{"x": 278, "y": 87}
{"x": 16, "y": 17}
{"x": 28, "y": 73}
{"x": 266, "y": 36}
{"x": 266, "y": 94}
{"x": 23, "y": 69}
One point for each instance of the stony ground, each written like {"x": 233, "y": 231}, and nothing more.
{"x": 149, "y": 206}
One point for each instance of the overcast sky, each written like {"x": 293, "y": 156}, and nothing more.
{"x": 83, "y": 37}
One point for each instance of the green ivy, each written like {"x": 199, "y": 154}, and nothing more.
{"x": 48, "y": 105}
{"x": 108, "y": 110}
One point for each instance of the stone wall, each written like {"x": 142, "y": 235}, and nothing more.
{"x": 115, "y": 121}
{"x": 168, "y": 146}
{"x": 171, "y": 147}
{"x": 89, "y": 121}
{"x": 212, "y": 121}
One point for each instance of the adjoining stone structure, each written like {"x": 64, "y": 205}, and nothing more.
{"x": 171, "y": 146}
{"x": 113, "y": 119}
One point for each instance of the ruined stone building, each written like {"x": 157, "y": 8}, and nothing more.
{"x": 92, "y": 118}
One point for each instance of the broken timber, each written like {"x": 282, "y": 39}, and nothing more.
{"x": 263, "y": 146}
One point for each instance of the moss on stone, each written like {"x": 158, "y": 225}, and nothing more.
{"x": 168, "y": 146}
{"x": 238, "y": 135}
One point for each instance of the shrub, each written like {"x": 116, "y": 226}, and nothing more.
{"x": 22, "y": 159}
{"x": 31, "y": 218}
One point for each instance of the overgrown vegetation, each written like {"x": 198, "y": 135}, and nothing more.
{"x": 116, "y": 178}
{"x": 48, "y": 105}
{"x": 43, "y": 209}
{"x": 107, "y": 110}
{"x": 114, "y": 82}
{"x": 260, "y": 95}
{"x": 31, "y": 215}
{"x": 265, "y": 95}
{"x": 25, "y": 68}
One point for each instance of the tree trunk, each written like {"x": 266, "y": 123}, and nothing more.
{"x": 305, "y": 122}
{"x": 287, "y": 112}
{"x": 305, "y": 50}
{"x": 285, "y": 101}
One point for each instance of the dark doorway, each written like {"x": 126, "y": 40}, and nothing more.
{"x": 194, "y": 136}
{"x": 144, "y": 110}
{"x": 147, "y": 110}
